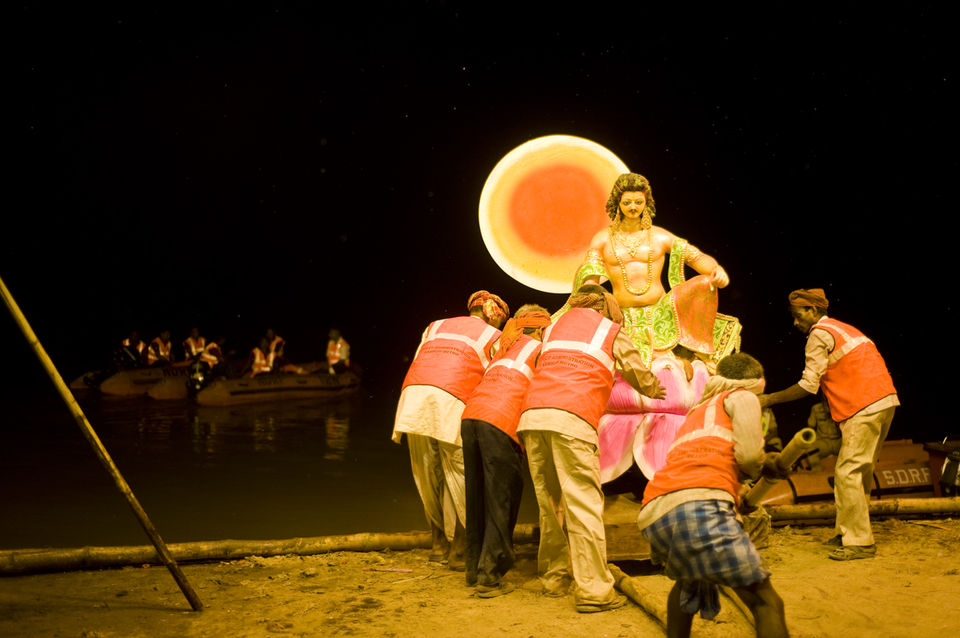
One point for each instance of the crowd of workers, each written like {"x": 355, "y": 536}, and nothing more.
{"x": 267, "y": 357}
{"x": 477, "y": 400}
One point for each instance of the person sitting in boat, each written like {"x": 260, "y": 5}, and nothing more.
{"x": 213, "y": 356}
{"x": 158, "y": 352}
{"x": 338, "y": 352}
{"x": 260, "y": 361}
{"x": 194, "y": 345}
{"x": 275, "y": 345}
{"x": 129, "y": 354}
{"x": 209, "y": 365}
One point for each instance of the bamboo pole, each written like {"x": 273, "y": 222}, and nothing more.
{"x": 25, "y": 561}
{"x": 654, "y": 605}
{"x": 884, "y": 507}
{"x": 100, "y": 450}
{"x": 799, "y": 444}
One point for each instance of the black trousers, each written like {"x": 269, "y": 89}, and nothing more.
{"x": 493, "y": 476}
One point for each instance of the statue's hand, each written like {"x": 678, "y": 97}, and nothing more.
{"x": 719, "y": 278}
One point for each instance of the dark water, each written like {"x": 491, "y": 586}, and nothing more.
{"x": 277, "y": 470}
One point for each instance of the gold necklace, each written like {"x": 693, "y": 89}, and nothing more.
{"x": 632, "y": 247}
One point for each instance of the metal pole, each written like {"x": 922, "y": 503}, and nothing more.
{"x": 100, "y": 450}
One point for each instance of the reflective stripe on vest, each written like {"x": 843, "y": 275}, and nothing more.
{"x": 211, "y": 354}
{"x": 856, "y": 375}
{"x": 849, "y": 343}
{"x": 498, "y": 398}
{"x": 261, "y": 363}
{"x": 520, "y": 363}
{"x": 476, "y": 344}
{"x": 194, "y": 347}
{"x": 139, "y": 347}
{"x": 162, "y": 350}
{"x": 452, "y": 355}
{"x": 593, "y": 349}
{"x": 575, "y": 370}
{"x": 710, "y": 428}
{"x": 702, "y": 456}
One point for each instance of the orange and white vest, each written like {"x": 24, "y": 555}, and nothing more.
{"x": 212, "y": 355}
{"x": 498, "y": 398}
{"x": 856, "y": 374}
{"x": 334, "y": 351}
{"x": 575, "y": 370}
{"x": 261, "y": 362}
{"x": 275, "y": 347}
{"x": 158, "y": 350}
{"x": 701, "y": 455}
{"x": 140, "y": 345}
{"x": 453, "y": 355}
{"x": 193, "y": 347}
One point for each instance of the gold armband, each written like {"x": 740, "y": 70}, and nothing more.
{"x": 691, "y": 253}
{"x": 593, "y": 258}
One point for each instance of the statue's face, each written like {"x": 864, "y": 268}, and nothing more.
{"x": 632, "y": 204}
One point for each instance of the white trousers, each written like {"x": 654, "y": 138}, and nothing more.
{"x": 862, "y": 438}
{"x": 438, "y": 472}
{"x": 566, "y": 479}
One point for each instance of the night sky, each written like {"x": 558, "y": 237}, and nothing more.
{"x": 304, "y": 168}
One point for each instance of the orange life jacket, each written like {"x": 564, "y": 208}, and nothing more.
{"x": 158, "y": 350}
{"x": 275, "y": 347}
{"x": 192, "y": 347}
{"x": 261, "y": 362}
{"x": 453, "y": 355}
{"x": 498, "y": 398}
{"x": 212, "y": 354}
{"x": 576, "y": 365}
{"x": 701, "y": 455}
{"x": 139, "y": 347}
{"x": 334, "y": 348}
{"x": 856, "y": 374}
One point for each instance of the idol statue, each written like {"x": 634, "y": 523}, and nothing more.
{"x": 678, "y": 330}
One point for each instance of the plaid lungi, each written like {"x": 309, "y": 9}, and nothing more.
{"x": 702, "y": 544}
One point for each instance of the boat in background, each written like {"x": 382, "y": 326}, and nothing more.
{"x": 272, "y": 387}
{"x": 132, "y": 382}
{"x": 139, "y": 381}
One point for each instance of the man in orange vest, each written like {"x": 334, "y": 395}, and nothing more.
{"x": 338, "y": 352}
{"x": 129, "y": 354}
{"x": 193, "y": 345}
{"x": 213, "y": 356}
{"x": 558, "y": 427}
{"x": 274, "y": 352}
{"x": 158, "y": 352}
{"x": 448, "y": 365}
{"x": 846, "y": 365}
{"x": 492, "y": 456}
{"x": 260, "y": 361}
{"x": 689, "y": 515}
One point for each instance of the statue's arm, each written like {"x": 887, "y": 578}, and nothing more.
{"x": 704, "y": 264}
{"x": 592, "y": 270}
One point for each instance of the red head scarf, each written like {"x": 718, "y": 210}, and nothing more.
{"x": 494, "y": 308}
{"x": 809, "y": 297}
{"x": 514, "y": 328}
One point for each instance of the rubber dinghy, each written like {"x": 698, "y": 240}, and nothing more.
{"x": 272, "y": 387}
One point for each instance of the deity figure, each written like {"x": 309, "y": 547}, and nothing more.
{"x": 632, "y": 254}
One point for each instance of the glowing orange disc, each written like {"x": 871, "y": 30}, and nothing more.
{"x": 541, "y": 205}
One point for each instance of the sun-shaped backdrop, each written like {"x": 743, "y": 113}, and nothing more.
{"x": 541, "y": 205}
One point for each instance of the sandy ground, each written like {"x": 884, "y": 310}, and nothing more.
{"x": 910, "y": 589}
